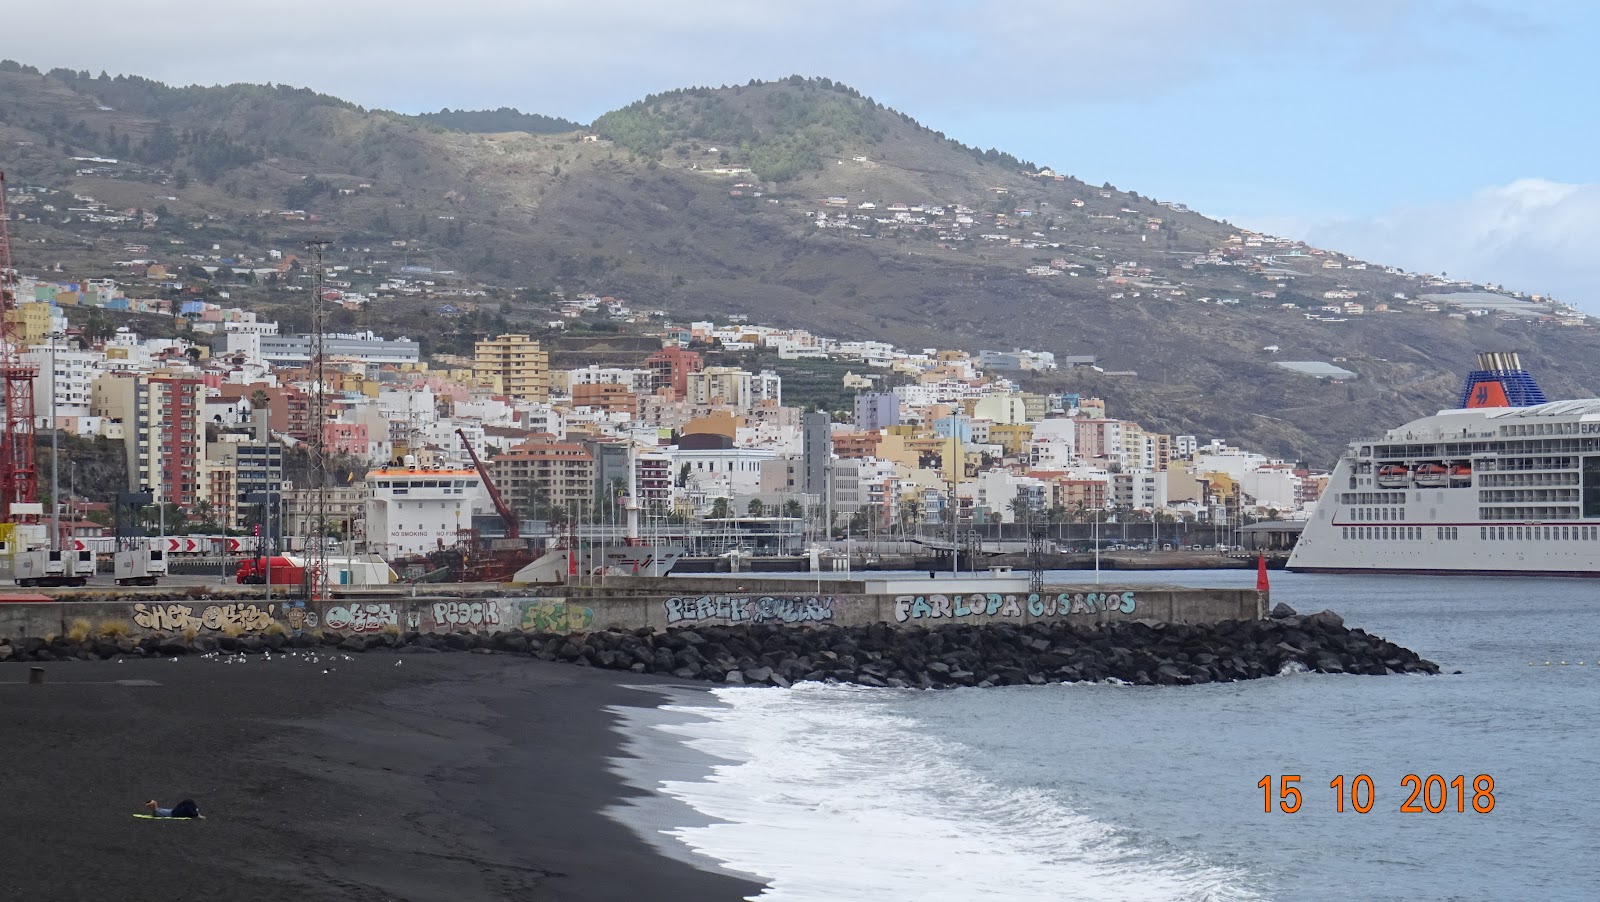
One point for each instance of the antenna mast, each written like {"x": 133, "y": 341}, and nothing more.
{"x": 19, "y": 480}
{"x": 316, "y": 445}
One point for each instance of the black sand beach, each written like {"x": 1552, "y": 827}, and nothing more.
{"x": 449, "y": 777}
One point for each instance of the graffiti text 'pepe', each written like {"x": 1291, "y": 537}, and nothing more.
{"x": 952, "y": 607}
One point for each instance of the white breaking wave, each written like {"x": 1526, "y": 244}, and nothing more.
{"x": 826, "y": 797}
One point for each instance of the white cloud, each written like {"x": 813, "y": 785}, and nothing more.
{"x": 1530, "y": 235}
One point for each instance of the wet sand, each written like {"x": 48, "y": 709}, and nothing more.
{"x": 449, "y": 777}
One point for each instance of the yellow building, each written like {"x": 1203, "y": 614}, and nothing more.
{"x": 33, "y": 321}
{"x": 1013, "y": 437}
{"x": 512, "y": 365}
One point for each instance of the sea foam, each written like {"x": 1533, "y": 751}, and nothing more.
{"x": 824, "y": 795}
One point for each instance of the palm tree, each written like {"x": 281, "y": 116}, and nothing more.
{"x": 721, "y": 509}
{"x": 755, "y": 508}
{"x": 910, "y": 512}
{"x": 792, "y": 508}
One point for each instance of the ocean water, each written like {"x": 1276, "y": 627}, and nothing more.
{"x": 1097, "y": 791}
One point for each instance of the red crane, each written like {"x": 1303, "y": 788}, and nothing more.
{"x": 19, "y": 480}
{"x": 513, "y": 531}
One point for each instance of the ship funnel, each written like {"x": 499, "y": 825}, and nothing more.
{"x": 1500, "y": 381}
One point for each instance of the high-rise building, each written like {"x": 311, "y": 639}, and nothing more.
{"x": 877, "y": 410}
{"x": 721, "y": 385}
{"x": 766, "y": 386}
{"x": 539, "y": 475}
{"x": 241, "y": 472}
{"x": 66, "y": 385}
{"x": 163, "y": 431}
{"x": 606, "y": 396}
{"x": 817, "y": 447}
{"x": 512, "y": 365}
{"x": 672, "y": 367}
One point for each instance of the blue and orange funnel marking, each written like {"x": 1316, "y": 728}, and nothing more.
{"x": 1500, "y": 381}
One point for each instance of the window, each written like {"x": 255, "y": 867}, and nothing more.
{"x": 1591, "y": 486}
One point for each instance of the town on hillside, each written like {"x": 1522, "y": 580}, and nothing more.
{"x": 215, "y": 418}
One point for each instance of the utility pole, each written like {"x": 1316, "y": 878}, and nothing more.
{"x": 953, "y": 506}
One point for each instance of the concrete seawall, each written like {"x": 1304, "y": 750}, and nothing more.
{"x": 639, "y": 604}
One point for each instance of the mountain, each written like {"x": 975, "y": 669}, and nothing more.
{"x": 710, "y": 202}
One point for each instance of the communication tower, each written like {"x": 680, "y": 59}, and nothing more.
{"x": 316, "y": 432}
{"x": 18, "y": 475}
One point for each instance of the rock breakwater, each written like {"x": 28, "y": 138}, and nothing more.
{"x": 995, "y": 654}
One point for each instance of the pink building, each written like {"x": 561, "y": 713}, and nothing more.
{"x": 346, "y": 438}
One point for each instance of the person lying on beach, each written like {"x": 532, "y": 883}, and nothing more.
{"x": 185, "y": 808}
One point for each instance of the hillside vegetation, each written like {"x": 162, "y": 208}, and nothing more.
{"x": 504, "y": 119}
{"x": 707, "y": 202}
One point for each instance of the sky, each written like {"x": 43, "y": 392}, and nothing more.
{"x": 1444, "y": 136}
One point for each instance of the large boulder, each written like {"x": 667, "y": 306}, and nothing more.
{"x": 1327, "y": 620}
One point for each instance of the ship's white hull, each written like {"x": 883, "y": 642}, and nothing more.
{"x": 1529, "y": 508}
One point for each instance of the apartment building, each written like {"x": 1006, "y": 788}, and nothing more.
{"x": 542, "y": 474}
{"x": 672, "y": 367}
{"x": 163, "y": 430}
{"x": 610, "y": 397}
{"x": 721, "y": 385}
{"x": 66, "y": 379}
{"x": 241, "y": 468}
{"x": 512, "y": 365}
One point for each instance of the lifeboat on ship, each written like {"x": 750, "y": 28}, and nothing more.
{"x": 1461, "y": 474}
{"x": 1394, "y": 476}
{"x": 1432, "y": 475}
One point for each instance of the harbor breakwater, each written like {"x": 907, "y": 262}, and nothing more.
{"x": 639, "y": 604}
{"x": 951, "y": 655}
{"x": 757, "y": 633}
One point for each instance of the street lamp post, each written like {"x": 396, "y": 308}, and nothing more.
{"x": 1096, "y": 529}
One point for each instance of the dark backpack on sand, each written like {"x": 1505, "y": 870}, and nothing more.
{"x": 186, "y": 808}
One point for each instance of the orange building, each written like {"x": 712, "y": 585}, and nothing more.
{"x": 671, "y": 367}
{"x": 856, "y": 445}
{"x": 607, "y": 397}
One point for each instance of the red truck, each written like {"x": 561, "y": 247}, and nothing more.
{"x": 286, "y": 571}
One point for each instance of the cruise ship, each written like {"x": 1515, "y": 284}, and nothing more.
{"x": 1507, "y": 483}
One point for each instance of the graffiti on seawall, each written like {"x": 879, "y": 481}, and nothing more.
{"x": 954, "y": 607}
{"x": 466, "y": 613}
{"x": 742, "y": 609}
{"x": 299, "y": 616}
{"x": 177, "y": 618}
{"x": 361, "y": 618}
{"x": 556, "y": 617}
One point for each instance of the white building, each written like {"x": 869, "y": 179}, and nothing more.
{"x": 1054, "y": 444}
{"x": 766, "y": 386}
{"x": 638, "y": 381}
{"x": 1139, "y": 489}
{"x": 68, "y": 385}
{"x": 723, "y": 472}
{"x": 721, "y": 385}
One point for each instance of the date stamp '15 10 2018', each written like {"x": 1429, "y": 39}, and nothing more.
{"x": 1432, "y": 794}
